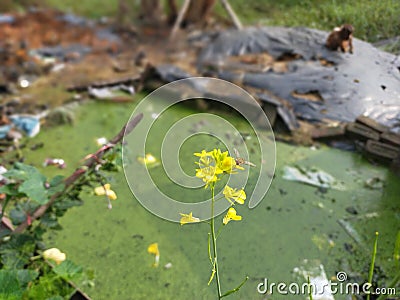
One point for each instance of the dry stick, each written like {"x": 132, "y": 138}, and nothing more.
{"x": 82, "y": 170}
{"x": 179, "y": 19}
{"x": 232, "y": 14}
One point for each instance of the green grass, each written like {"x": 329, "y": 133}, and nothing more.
{"x": 373, "y": 20}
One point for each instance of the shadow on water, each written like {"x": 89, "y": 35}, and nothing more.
{"x": 294, "y": 222}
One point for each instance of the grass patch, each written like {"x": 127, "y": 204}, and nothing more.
{"x": 373, "y": 20}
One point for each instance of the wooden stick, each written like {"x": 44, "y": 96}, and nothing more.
{"x": 90, "y": 162}
{"x": 179, "y": 19}
{"x": 232, "y": 14}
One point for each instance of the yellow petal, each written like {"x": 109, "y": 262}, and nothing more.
{"x": 231, "y": 215}
{"x": 105, "y": 190}
{"x": 188, "y": 219}
{"x": 111, "y": 194}
{"x": 148, "y": 160}
{"x": 236, "y": 195}
{"x": 153, "y": 249}
{"x": 55, "y": 255}
{"x": 101, "y": 190}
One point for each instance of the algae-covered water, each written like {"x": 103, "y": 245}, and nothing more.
{"x": 293, "y": 223}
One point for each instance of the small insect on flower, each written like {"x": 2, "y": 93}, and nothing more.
{"x": 241, "y": 161}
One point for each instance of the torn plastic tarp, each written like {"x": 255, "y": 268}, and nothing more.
{"x": 366, "y": 82}
{"x": 169, "y": 73}
{"x": 61, "y": 52}
{"x": 312, "y": 176}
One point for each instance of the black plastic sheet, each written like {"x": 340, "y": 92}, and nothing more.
{"x": 366, "y": 82}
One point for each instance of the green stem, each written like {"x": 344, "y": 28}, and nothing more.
{"x": 214, "y": 241}
{"x": 371, "y": 268}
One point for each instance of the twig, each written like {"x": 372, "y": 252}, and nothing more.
{"x": 232, "y": 14}
{"x": 179, "y": 19}
{"x": 90, "y": 162}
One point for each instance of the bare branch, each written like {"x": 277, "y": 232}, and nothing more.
{"x": 90, "y": 162}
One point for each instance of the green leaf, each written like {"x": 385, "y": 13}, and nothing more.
{"x": 9, "y": 189}
{"x": 9, "y": 285}
{"x": 56, "y": 185}
{"x": 17, "y": 216}
{"x": 21, "y": 171}
{"x": 68, "y": 270}
{"x": 236, "y": 289}
{"x": 16, "y": 252}
{"x": 14, "y": 282}
{"x": 34, "y": 188}
{"x": 26, "y": 276}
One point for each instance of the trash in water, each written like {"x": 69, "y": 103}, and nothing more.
{"x": 149, "y": 160}
{"x": 168, "y": 266}
{"x": 315, "y": 272}
{"x": 374, "y": 183}
{"x": 27, "y": 123}
{"x": 59, "y": 162}
{"x": 116, "y": 93}
{"x": 312, "y": 176}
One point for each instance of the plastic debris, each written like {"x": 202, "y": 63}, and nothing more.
{"x": 314, "y": 270}
{"x": 168, "y": 266}
{"x": 317, "y": 82}
{"x": 4, "y": 130}
{"x": 29, "y": 124}
{"x": 312, "y": 176}
{"x": 59, "y": 162}
{"x": 374, "y": 183}
{"x": 6, "y": 19}
{"x": 2, "y": 171}
{"x": 116, "y": 93}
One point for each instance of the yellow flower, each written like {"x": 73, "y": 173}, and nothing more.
{"x": 105, "y": 190}
{"x": 231, "y": 215}
{"x": 149, "y": 160}
{"x": 153, "y": 249}
{"x": 55, "y": 255}
{"x": 208, "y": 174}
{"x": 227, "y": 164}
{"x": 188, "y": 219}
{"x": 205, "y": 160}
{"x": 236, "y": 195}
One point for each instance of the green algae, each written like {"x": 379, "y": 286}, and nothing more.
{"x": 294, "y": 222}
